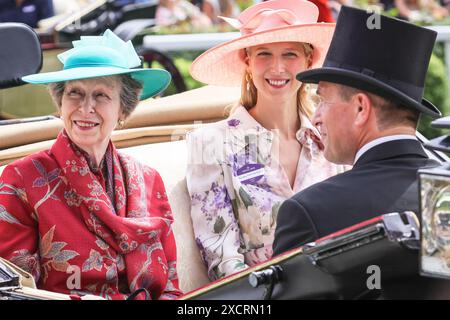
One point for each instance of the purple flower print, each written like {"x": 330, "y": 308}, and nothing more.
{"x": 72, "y": 198}
{"x": 196, "y": 198}
{"x": 233, "y": 122}
{"x": 238, "y": 161}
{"x": 221, "y": 198}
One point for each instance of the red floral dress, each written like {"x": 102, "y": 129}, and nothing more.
{"x": 58, "y": 223}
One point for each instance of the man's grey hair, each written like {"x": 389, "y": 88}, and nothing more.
{"x": 388, "y": 112}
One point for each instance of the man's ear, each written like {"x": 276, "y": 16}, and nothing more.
{"x": 363, "y": 109}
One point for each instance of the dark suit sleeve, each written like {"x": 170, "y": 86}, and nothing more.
{"x": 294, "y": 227}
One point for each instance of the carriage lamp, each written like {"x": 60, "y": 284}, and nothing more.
{"x": 434, "y": 186}
{"x": 434, "y": 190}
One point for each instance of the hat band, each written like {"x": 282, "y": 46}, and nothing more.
{"x": 267, "y": 19}
{"x": 89, "y": 65}
{"x": 414, "y": 92}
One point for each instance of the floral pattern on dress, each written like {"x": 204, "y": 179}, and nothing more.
{"x": 52, "y": 255}
{"x": 234, "y": 218}
{"x": 27, "y": 261}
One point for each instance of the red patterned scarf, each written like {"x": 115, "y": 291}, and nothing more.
{"x": 136, "y": 229}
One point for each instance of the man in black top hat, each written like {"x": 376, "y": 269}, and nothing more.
{"x": 371, "y": 87}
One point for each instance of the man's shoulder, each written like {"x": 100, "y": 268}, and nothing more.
{"x": 359, "y": 187}
{"x": 350, "y": 186}
{"x": 367, "y": 176}
{"x": 332, "y": 185}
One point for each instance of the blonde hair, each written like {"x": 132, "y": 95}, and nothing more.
{"x": 249, "y": 97}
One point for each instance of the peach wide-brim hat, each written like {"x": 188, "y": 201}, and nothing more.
{"x": 266, "y": 22}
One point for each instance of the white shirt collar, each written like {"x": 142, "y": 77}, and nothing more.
{"x": 381, "y": 140}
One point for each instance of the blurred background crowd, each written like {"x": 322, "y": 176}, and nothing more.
{"x": 204, "y": 13}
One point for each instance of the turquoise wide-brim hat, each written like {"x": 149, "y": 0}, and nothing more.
{"x": 102, "y": 56}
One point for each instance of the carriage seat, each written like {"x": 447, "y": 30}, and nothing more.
{"x": 169, "y": 159}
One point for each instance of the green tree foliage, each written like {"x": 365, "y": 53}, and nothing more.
{"x": 437, "y": 92}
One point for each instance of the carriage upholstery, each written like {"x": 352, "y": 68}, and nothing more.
{"x": 192, "y": 272}
{"x": 27, "y": 43}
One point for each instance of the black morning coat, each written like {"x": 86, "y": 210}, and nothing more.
{"x": 383, "y": 180}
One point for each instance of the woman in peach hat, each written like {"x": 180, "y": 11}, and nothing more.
{"x": 241, "y": 169}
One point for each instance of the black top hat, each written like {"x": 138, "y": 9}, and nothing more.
{"x": 382, "y": 55}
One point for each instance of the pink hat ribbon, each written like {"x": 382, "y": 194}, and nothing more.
{"x": 269, "y": 18}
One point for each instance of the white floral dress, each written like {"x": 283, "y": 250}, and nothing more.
{"x": 237, "y": 185}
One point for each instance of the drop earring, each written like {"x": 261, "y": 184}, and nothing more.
{"x": 121, "y": 123}
{"x": 248, "y": 78}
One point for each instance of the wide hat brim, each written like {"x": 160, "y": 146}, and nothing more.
{"x": 153, "y": 81}
{"x": 370, "y": 84}
{"x": 223, "y": 65}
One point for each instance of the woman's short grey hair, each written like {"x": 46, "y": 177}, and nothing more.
{"x": 129, "y": 93}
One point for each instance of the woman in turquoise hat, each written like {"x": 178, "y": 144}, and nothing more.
{"x": 81, "y": 217}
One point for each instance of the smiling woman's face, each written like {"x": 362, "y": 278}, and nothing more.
{"x": 273, "y": 67}
{"x": 90, "y": 109}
